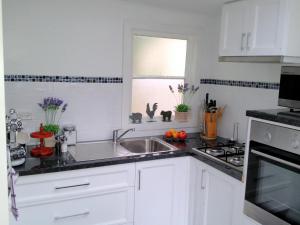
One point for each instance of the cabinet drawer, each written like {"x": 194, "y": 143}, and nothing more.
{"x": 76, "y": 182}
{"x": 110, "y": 208}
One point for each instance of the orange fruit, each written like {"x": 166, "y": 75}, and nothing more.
{"x": 176, "y": 135}
{"x": 168, "y": 134}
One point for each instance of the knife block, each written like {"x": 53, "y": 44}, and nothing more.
{"x": 210, "y": 125}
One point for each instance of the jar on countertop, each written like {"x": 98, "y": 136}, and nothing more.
{"x": 71, "y": 134}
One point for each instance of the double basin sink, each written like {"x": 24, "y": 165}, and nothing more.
{"x": 86, "y": 151}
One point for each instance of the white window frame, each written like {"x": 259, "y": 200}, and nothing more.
{"x": 164, "y": 31}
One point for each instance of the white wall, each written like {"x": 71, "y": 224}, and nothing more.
{"x": 76, "y": 37}
{"x": 79, "y": 37}
{"x": 3, "y": 153}
{"x": 240, "y": 99}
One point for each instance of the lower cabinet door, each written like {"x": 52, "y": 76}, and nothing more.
{"x": 109, "y": 208}
{"x": 161, "y": 196}
{"x": 216, "y": 197}
{"x": 219, "y": 200}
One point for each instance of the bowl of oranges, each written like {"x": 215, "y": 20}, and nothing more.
{"x": 173, "y": 135}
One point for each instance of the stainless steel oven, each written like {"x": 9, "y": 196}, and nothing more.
{"x": 273, "y": 175}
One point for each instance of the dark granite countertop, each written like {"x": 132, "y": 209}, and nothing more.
{"x": 66, "y": 162}
{"x": 276, "y": 115}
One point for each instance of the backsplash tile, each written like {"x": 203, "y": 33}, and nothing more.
{"x": 95, "y": 109}
{"x": 62, "y": 79}
{"x": 236, "y": 83}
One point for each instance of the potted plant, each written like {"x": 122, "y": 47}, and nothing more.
{"x": 186, "y": 93}
{"x": 51, "y": 107}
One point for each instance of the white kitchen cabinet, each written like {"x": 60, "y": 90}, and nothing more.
{"x": 233, "y": 33}
{"x": 113, "y": 207}
{"x": 216, "y": 197}
{"x": 265, "y": 27}
{"x": 151, "y": 192}
{"x": 176, "y": 191}
{"x": 162, "y": 188}
{"x": 261, "y": 28}
{"x": 96, "y": 196}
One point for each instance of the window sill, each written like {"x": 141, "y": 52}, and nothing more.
{"x": 160, "y": 125}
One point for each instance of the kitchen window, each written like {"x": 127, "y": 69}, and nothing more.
{"x": 154, "y": 57}
{"x": 157, "y": 62}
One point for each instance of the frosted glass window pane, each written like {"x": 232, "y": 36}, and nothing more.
{"x": 154, "y": 91}
{"x": 153, "y": 56}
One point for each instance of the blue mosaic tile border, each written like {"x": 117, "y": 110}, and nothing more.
{"x": 236, "y": 83}
{"x": 62, "y": 79}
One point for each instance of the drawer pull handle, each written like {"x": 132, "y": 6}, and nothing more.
{"x": 139, "y": 185}
{"x": 85, "y": 213}
{"x": 72, "y": 186}
{"x": 202, "y": 178}
{"x": 242, "y": 41}
{"x": 248, "y": 40}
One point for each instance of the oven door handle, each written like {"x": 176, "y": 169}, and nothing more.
{"x": 275, "y": 159}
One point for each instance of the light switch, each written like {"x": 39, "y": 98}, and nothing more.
{"x": 25, "y": 115}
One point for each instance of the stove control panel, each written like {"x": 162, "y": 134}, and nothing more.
{"x": 276, "y": 136}
{"x": 267, "y": 136}
{"x": 295, "y": 142}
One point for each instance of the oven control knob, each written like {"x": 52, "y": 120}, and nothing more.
{"x": 268, "y": 137}
{"x": 295, "y": 144}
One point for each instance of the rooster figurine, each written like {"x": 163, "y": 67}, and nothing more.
{"x": 149, "y": 112}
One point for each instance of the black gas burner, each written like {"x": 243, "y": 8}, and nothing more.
{"x": 236, "y": 160}
{"x": 215, "y": 151}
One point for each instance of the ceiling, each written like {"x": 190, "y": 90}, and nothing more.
{"x": 196, "y": 6}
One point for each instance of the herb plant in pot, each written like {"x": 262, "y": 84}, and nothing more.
{"x": 186, "y": 93}
{"x": 51, "y": 106}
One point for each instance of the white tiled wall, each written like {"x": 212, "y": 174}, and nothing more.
{"x": 95, "y": 109}
{"x": 83, "y": 38}
{"x": 75, "y": 38}
{"x": 238, "y": 101}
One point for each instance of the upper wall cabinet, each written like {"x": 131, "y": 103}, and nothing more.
{"x": 233, "y": 29}
{"x": 265, "y": 27}
{"x": 261, "y": 28}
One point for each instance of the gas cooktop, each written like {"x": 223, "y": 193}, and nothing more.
{"x": 231, "y": 155}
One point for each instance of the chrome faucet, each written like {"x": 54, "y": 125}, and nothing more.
{"x": 116, "y": 138}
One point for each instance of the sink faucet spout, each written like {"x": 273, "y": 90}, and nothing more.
{"x": 116, "y": 137}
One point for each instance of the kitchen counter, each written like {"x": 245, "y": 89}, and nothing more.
{"x": 275, "y": 115}
{"x": 67, "y": 162}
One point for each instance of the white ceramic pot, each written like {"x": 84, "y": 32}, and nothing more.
{"x": 182, "y": 117}
{"x": 50, "y": 142}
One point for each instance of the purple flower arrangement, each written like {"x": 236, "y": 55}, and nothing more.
{"x": 186, "y": 92}
{"x": 51, "y": 106}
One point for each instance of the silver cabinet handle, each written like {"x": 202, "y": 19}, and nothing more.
{"x": 84, "y": 213}
{"x": 202, "y": 179}
{"x": 242, "y": 41}
{"x": 248, "y": 40}
{"x": 139, "y": 182}
{"x": 72, "y": 186}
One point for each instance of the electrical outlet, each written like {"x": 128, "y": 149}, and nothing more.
{"x": 25, "y": 115}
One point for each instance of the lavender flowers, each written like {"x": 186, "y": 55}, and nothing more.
{"x": 187, "y": 92}
{"x": 51, "y": 108}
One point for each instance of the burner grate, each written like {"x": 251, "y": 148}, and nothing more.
{"x": 215, "y": 151}
{"x": 233, "y": 155}
{"x": 236, "y": 160}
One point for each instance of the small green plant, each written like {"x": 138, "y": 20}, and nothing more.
{"x": 186, "y": 93}
{"x": 54, "y": 128}
{"x": 182, "y": 108}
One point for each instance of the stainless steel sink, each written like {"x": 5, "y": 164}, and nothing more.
{"x": 146, "y": 145}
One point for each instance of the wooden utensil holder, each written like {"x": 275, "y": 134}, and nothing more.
{"x": 210, "y": 124}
